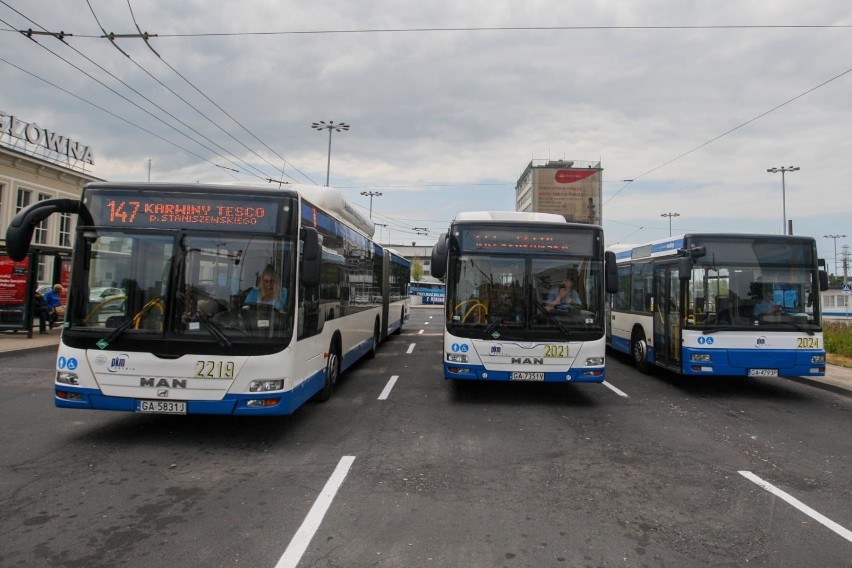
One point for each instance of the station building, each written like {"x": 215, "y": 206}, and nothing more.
{"x": 37, "y": 163}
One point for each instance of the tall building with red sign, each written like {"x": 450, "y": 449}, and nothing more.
{"x": 572, "y": 189}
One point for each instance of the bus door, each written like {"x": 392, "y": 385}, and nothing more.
{"x": 667, "y": 322}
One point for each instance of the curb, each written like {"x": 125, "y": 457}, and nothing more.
{"x": 821, "y": 384}
{"x": 27, "y": 351}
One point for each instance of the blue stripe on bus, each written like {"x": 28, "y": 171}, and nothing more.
{"x": 475, "y": 373}
{"x": 666, "y": 246}
{"x": 737, "y": 362}
{"x": 230, "y": 404}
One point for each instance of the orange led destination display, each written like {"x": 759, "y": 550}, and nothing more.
{"x": 522, "y": 240}
{"x": 170, "y": 211}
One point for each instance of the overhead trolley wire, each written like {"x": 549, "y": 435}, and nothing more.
{"x": 146, "y": 36}
{"x": 734, "y": 129}
{"x": 100, "y": 108}
{"x": 152, "y": 115}
{"x": 111, "y": 37}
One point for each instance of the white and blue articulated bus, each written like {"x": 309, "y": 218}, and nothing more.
{"x": 706, "y": 304}
{"x": 504, "y": 274}
{"x": 227, "y": 299}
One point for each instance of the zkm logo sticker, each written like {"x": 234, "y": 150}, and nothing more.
{"x": 459, "y": 347}
{"x": 761, "y": 342}
{"x": 705, "y": 340}
{"x": 496, "y": 350}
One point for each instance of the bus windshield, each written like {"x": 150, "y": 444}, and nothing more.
{"x": 746, "y": 283}
{"x": 518, "y": 297}
{"x": 174, "y": 286}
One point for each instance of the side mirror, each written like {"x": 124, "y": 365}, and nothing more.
{"x": 610, "y": 272}
{"x": 439, "y": 256}
{"x": 684, "y": 267}
{"x": 311, "y": 257}
{"x": 823, "y": 280}
{"x": 20, "y": 230}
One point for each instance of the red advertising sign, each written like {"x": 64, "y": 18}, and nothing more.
{"x": 65, "y": 279}
{"x": 571, "y": 176}
{"x": 13, "y": 281}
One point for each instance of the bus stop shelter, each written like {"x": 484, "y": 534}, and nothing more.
{"x": 19, "y": 282}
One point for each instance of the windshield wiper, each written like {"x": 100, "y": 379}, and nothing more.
{"x": 492, "y": 326}
{"x": 214, "y": 330}
{"x": 125, "y": 325}
{"x": 555, "y": 320}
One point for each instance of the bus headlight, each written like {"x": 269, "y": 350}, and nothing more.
{"x": 817, "y": 358}
{"x": 700, "y": 358}
{"x": 456, "y": 357}
{"x": 594, "y": 361}
{"x": 67, "y": 378}
{"x": 266, "y": 386}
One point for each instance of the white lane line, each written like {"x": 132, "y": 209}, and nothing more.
{"x": 420, "y": 332}
{"x": 410, "y": 349}
{"x": 615, "y": 390}
{"x": 845, "y": 533}
{"x": 386, "y": 392}
{"x": 303, "y": 536}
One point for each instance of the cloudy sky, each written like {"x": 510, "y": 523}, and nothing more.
{"x": 449, "y": 101}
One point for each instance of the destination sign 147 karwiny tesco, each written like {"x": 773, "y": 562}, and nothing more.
{"x": 214, "y": 212}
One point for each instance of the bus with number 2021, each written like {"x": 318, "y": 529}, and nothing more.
{"x": 505, "y": 314}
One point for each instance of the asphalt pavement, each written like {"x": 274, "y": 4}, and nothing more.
{"x": 837, "y": 378}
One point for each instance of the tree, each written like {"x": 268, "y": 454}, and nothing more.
{"x": 416, "y": 270}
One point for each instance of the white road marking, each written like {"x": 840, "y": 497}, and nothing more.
{"x": 615, "y": 390}
{"x": 410, "y": 349}
{"x": 303, "y": 536}
{"x": 845, "y": 533}
{"x": 420, "y": 332}
{"x": 386, "y": 392}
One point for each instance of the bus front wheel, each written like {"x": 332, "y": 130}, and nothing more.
{"x": 332, "y": 372}
{"x": 639, "y": 349}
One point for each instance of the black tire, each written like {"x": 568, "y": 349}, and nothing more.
{"x": 639, "y": 353}
{"x": 398, "y": 330}
{"x": 332, "y": 373}
{"x": 375, "y": 347}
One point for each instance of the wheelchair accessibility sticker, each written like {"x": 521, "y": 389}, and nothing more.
{"x": 459, "y": 347}
{"x": 705, "y": 341}
{"x": 70, "y": 363}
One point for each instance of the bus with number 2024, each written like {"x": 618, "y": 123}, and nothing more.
{"x": 707, "y": 304}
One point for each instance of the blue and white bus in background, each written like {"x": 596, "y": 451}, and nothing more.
{"x": 233, "y": 299}
{"x": 696, "y": 304}
{"x": 501, "y": 269}
{"x": 427, "y": 293}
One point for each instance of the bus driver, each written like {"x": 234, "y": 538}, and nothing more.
{"x": 563, "y": 295}
{"x": 270, "y": 292}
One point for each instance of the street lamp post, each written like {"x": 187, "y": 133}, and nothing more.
{"x": 381, "y": 226}
{"x": 330, "y": 125}
{"x": 670, "y": 215}
{"x": 835, "y": 237}
{"x": 372, "y": 194}
{"x": 783, "y": 171}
